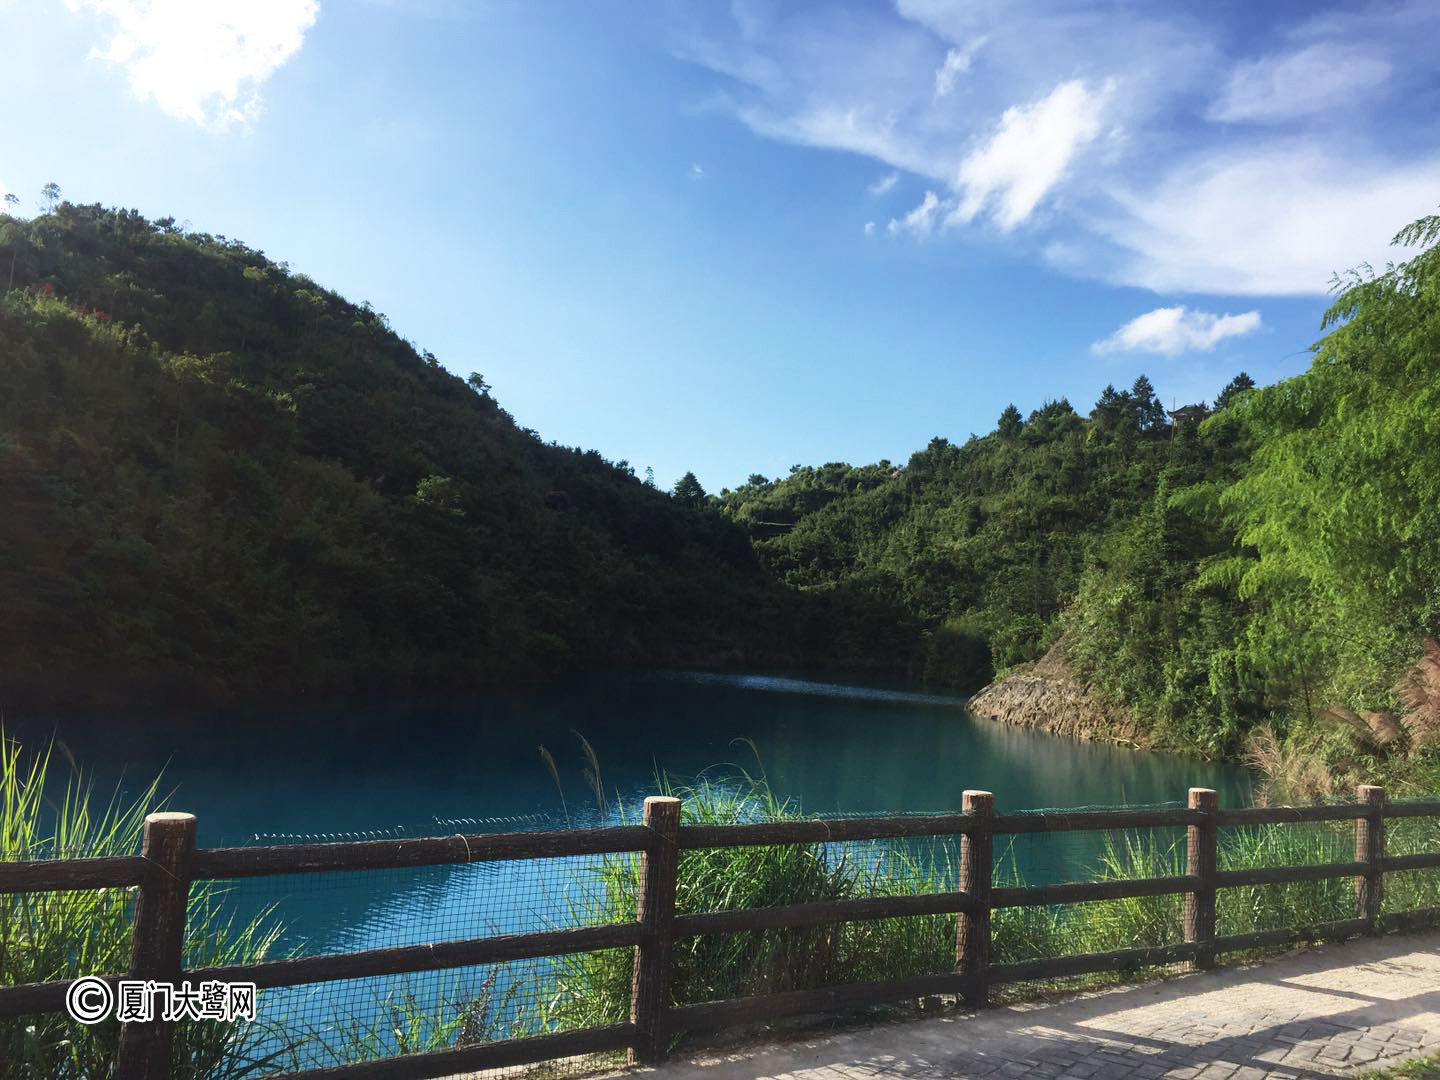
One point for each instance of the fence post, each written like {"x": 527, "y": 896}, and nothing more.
{"x": 972, "y": 928}
{"x": 655, "y": 909}
{"x": 1370, "y": 849}
{"x": 1200, "y": 859}
{"x": 159, "y": 939}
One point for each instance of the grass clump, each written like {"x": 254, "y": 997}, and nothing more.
{"x": 53, "y": 936}
{"x": 411, "y": 1020}
{"x": 595, "y": 988}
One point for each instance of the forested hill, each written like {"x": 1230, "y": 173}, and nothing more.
{"x": 988, "y": 543}
{"x": 1258, "y": 576}
{"x": 220, "y": 479}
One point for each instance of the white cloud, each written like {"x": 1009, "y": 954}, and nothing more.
{"x": 1029, "y": 152}
{"x": 1170, "y": 331}
{"x": 869, "y": 228}
{"x": 202, "y": 60}
{"x": 1116, "y": 121}
{"x": 884, "y": 185}
{"x": 957, "y": 62}
{"x": 1272, "y": 222}
{"x": 920, "y": 222}
{"x": 696, "y": 172}
{"x": 1316, "y": 79}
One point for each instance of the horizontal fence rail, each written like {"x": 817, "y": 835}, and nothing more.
{"x": 169, "y": 863}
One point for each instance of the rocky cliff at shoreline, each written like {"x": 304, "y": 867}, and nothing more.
{"x": 1048, "y": 696}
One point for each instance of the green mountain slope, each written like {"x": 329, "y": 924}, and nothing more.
{"x": 222, "y": 479}
{"x": 987, "y": 543}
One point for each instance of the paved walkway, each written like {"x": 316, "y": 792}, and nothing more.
{"x": 1331, "y": 1011}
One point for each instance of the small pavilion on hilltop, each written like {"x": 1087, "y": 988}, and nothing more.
{"x": 1187, "y": 414}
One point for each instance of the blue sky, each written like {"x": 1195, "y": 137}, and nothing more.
{"x": 737, "y": 237}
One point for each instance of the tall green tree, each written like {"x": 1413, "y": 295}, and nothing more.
{"x": 688, "y": 490}
{"x": 1145, "y": 406}
{"x": 1010, "y": 423}
{"x": 1342, "y": 503}
{"x": 1111, "y": 407}
{"x": 1233, "y": 389}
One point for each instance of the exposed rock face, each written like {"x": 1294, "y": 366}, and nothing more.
{"x": 1048, "y": 696}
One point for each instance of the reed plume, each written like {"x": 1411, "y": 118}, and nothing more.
{"x": 549, "y": 760}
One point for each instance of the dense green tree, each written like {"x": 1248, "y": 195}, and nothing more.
{"x": 1145, "y": 407}
{"x": 1233, "y": 389}
{"x": 1010, "y": 422}
{"x": 688, "y": 490}
{"x": 1342, "y": 503}
{"x": 1111, "y": 408}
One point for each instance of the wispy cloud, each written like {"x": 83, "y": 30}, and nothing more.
{"x": 202, "y": 61}
{"x": 957, "y": 62}
{"x": 884, "y": 185}
{"x": 1100, "y": 127}
{"x": 920, "y": 222}
{"x": 869, "y": 228}
{"x": 1275, "y": 222}
{"x": 1170, "y": 331}
{"x": 696, "y": 172}
{"x": 1316, "y": 79}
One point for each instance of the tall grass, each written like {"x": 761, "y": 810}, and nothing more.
{"x": 410, "y": 1021}
{"x": 52, "y": 936}
{"x": 1158, "y": 920}
{"x": 595, "y": 988}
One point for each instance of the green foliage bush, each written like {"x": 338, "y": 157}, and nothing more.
{"x": 47, "y": 937}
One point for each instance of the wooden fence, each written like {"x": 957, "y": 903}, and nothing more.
{"x": 169, "y": 862}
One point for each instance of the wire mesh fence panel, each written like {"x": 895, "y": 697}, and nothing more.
{"x": 1254, "y": 907}
{"x": 314, "y": 914}
{"x": 345, "y": 911}
{"x": 1412, "y": 836}
{"x": 1251, "y": 908}
{"x": 355, "y": 1020}
{"x": 1410, "y": 890}
{"x": 46, "y": 936}
{"x": 1302, "y": 843}
{"x": 1050, "y": 858}
{"x": 1295, "y": 905}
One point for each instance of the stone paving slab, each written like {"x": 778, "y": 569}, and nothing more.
{"x": 1330, "y": 1011}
